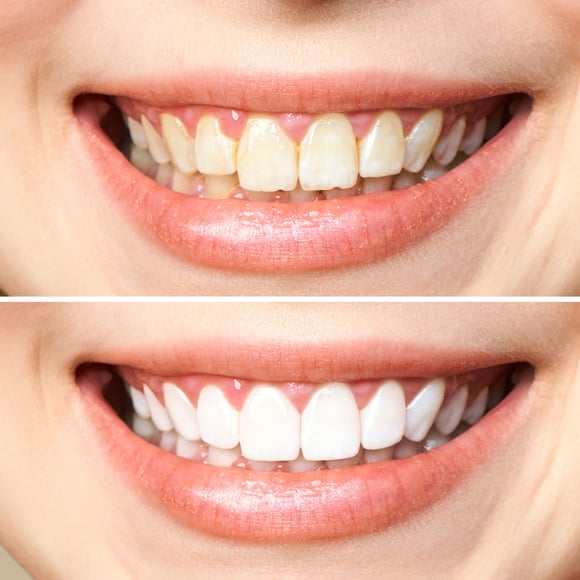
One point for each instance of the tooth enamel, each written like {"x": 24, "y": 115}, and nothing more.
{"x": 143, "y": 427}
{"x": 219, "y": 422}
{"x": 421, "y": 140}
{"x": 137, "y": 133}
{"x": 267, "y": 157}
{"x": 473, "y": 141}
{"x": 159, "y": 415}
{"x": 448, "y": 146}
{"x": 434, "y": 439}
{"x": 376, "y": 455}
{"x": 155, "y": 142}
{"x": 183, "y": 183}
{"x": 423, "y": 409}
{"x": 215, "y": 152}
{"x": 180, "y": 145}
{"x": 330, "y": 427}
{"x": 407, "y": 448}
{"x": 301, "y": 465}
{"x": 475, "y": 411}
{"x": 404, "y": 180}
{"x": 164, "y": 174}
{"x": 223, "y": 457}
{"x": 375, "y": 184}
{"x": 451, "y": 413}
{"x": 219, "y": 186}
{"x": 432, "y": 170}
{"x": 269, "y": 426}
{"x": 139, "y": 402}
{"x": 181, "y": 412}
{"x": 382, "y": 151}
{"x": 328, "y": 154}
{"x": 142, "y": 160}
{"x": 383, "y": 419}
{"x": 168, "y": 441}
{"x": 188, "y": 449}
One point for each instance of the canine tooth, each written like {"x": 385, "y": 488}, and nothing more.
{"x": 473, "y": 141}
{"x": 407, "y": 448}
{"x": 182, "y": 182}
{"x": 180, "y": 145}
{"x": 328, "y": 154}
{"x": 142, "y": 160}
{"x": 330, "y": 426}
{"x": 139, "y": 403}
{"x": 421, "y": 140}
{"x": 301, "y": 465}
{"x": 475, "y": 411}
{"x": 450, "y": 414}
{"x": 168, "y": 441}
{"x": 219, "y": 422}
{"x": 383, "y": 419}
{"x": 423, "y": 409}
{"x": 159, "y": 415}
{"x": 267, "y": 158}
{"x": 376, "y": 455}
{"x": 137, "y": 133}
{"x": 188, "y": 449}
{"x": 219, "y": 186}
{"x": 164, "y": 174}
{"x": 157, "y": 148}
{"x": 382, "y": 150}
{"x": 375, "y": 184}
{"x": 448, "y": 146}
{"x": 269, "y": 426}
{"x": 215, "y": 152}
{"x": 434, "y": 439}
{"x": 181, "y": 412}
{"x": 222, "y": 457}
{"x": 405, "y": 179}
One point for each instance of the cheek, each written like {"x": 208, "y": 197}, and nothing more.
{"x": 567, "y": 10}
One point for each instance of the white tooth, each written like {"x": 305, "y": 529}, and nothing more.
{"x": 155, "y": 142}
{"x": 269, "y": 426}
{"x": 434, "y": 439}
{"x": 142, "y": 160}
{"x": 450, "y": 414}
{"x": 382, "y": 151}
{"x": 262, "y": 465}
{"x": 301, "y": 465}
{"x": 423, "y": 409}
{"x": 159, "y": 415}
{"x": 164, "y": 174}
{"x": 348, "y": 462}
{"x": 475, "y": 411}
{"x": 188, "y": 449}
{"x": 137, "y": 133}
{"x": 376, "y": 455}
{"x": 328, "y": 154}
{"x": 219, "y": 422}
{"x": 330, "y": 424}
{"x": 473, "y": 141}
{"x": 139, "y": 403}
{"x": 143, "y": 427}
{"x": 383, "y": 419}
{"x": 421, "y": 140}
{"x": 432, "y": 170}
{"x": 215, "y": 152}
{"x": 223, "y": 457}
{"x": 375, "y": 184}
{"x": 180, "y": 145}
{"x": 405, "y": 179}
{"x": 219, "y": 186}
{"x": 496, "y": 392}
{"x": 448, "y": 146}
{"x": 267, "y": 157}
{"x": 182, "y": 413}
{"x": 407, "y": 448}
{"x": 168, "y": 441}
{"x": 183, "y": 183}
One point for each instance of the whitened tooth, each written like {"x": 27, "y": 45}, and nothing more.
{"x": 448, "y": 146}
{"x": 164, "y": 174}
{"x": 475, "y": 411}
{"x": 159, "y": 415}
{"x": 262, "y": 465}
{"x": 330, "y": 426}
{"x": 434, "y": 439}
{"x": 301, "y": 465}
{"x": 181, "y": 412}
{"x": 421, "y": 140}
{"x": 328, "y": 154}
{"x": 219, "y": 422}
{"x": 219, "y": 186}
{"x": 139, "y": 403}
{"x": 349, "y": 462}
{"x": 188, "y": 449}
{"x": 143, "y": 427}
{"x": 451, "y": 413}
{"x": 376, "y": 455}
{"x": 407, "y": 448}
{"x": 137, "y": 133}
{"x": 301, "y": 196}
{"x": 382, "y": 151}
{"x": 383, "y": 419}
{"x": 269, "y": 426}
{"x": 142, "y": 160}
{"x": 405, "y": 179}
{"x": 183, "y": 183}
{"x": 496, "y": 392}
{"x": 180, "y": 145}
{"x": 423, "y": 409}
{"x": 223, "y": 457}
{"x": 155, "y": 142}
{"x": 168, "y": 441}
{"x": 376, "y": 184}
{"x": 215, "y": 152}
{"x": 473, "y": 141}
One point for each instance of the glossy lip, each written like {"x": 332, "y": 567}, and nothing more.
{"x": 285, "y": 507}
{"x": 286, "y": 238}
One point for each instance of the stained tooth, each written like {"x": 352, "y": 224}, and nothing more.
{"x": 432, "y": 170}
{"x": 215, "y": 152}
{"x": 473, "y": 141}
{"x": 183, "y": 183}
{"x": 421, "y": 140}
{"x": 382, "y": 151}
{"x": 159, "y": 415}
{"x": 383, "y": 419}
{"x": 376, "y": 455}
{"x": 137, "y": 133}
{"x": 450, "y": 414}
{"x": 475, "y": 411}
{"x": 434, "y": 439}
{"x": 139, "y": 403}
{"x": 301, "y": 465}
{"x": 168, "y": 441}
{"x": 375, "y": 184}
{"x": 269, "y": 426}
{"x": 142, "y": 160}
{"x": 180, "y": 145}
{"x": 330, "y": 426}
{"x": 219, "y": 186}
{"x": 155, "y": 142}
{"x": 223, "y": 457}
{"x": 188, "y": 449}
{"x": 407, "y": 448}
{"x": 328, "y": 154}
{"x": 219, "y": 422}
{"x": 181, "y": 412}
{"x": 405, "y": 179}
{"x": 423, "y": 409}
{"x": 448, "y": 146}
{"x": 164, "y": 174}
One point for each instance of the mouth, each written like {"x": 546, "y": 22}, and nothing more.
{"x": 307, "y": 188}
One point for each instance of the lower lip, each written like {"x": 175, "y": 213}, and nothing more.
{"x": 273, "y": 507}
{"x": 286, "y": 238}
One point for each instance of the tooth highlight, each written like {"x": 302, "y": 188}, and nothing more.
{"x": 421, "y": 140}
{"x": 180, "y": 145}
{"x": 215, "y": 152}
{"x": 139, "y": 403}
{"x": 155, "y": 143}
{"x": 219, "y": 421}
{"x": 448, "y": 146}
{"x": 181, "y": 412}
{"x": 450, "y": 414}
{"x": 423, "y": 409}
{"x": 159, "y": 415}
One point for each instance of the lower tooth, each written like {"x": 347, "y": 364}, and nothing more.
{"x": 164, "y": 175}
{"x": 301, "y": 465}
{"x": 407, "y": 448}
{"x": 262, "y": 465}
{"x": 377, "y": 184}
{"x": 351, "y": 461}
{"x": 434, "y": 439}
{"x": 188, "y": 449}
{"x": 182, "y": 182}
{"x": 142, "y": 160}
{"x": 432, "y": 170}
{"x": 223, "y": 457}
{"x": 168, "y": 441}
{"x": 219, "y": 186}
{"x": 405, "y": 179}
{"x": 301, "y": 196}
{"x": 375, "y": 455}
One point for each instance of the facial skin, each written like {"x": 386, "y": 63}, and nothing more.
{"x": 66, "y": 511}
{"x": 61, "y": 234}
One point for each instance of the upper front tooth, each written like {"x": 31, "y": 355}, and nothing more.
{"x": 423, "y": 409}
{"x": 157, "y": 147}
{"x": 159, "y": 415}
{"x": 137, "y": 133}
{"x": 267, "y": 158}
{"x": 382, "y": 151}
{"x": 219, "y": 422}
{"x": 182, "y": 412}
{"x": 421, "y": 140}
{"x": 181, "y": 146}
{"x": 473, "y": 141}
{"x": 215, "y": 152}
{"x": 448, "y": 146}
{"x": 450, "y": 414}
{"x": 328, "y": 154}
{"x": 330, "y": 424}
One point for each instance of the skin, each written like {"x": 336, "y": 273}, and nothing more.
{"x": 60, "y": 234}
{"x": 66, "y": 513}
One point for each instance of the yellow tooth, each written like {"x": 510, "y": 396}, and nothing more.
{"x": 183, "y": 182}
{"x": 180, "y": 145}
{"x": 448, "y": 146}
{"x": 155, "y": 142}
{"x": 421, "y": 140}
{"x": 215, "y": 152}
{"x": 219, "y": 186}
{"x": 328, "y": 154}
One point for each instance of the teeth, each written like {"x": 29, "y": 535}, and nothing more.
{"x": 406, "y": 448}
{"x": 262, "y": 465}
{"x": 267, "y": 158}
{"x": 269, "y": 426}
{"x": 142, "y": 160}
{"x": 159, "y": 415}
{"x": 448, "y": 146}
{"x": 328, "y": 154}
{"x": 475, "y": 411}
{"x": 219, "y": 422}
{"x": 155, "y": 142}
{"x": 139, "y": 403}
{"x": 188, "y": 449}
{"x": 376, "y": 455}
{"x": 473, "y": 142}
{"x": 215, "y": 152}
{"x": 143, "y": 427}
{"x": 180, "y": 145}
{"x": 348, "y": 462}
{"x": 405, "y": 179}
{"x": 137, "y": 133}
{"x": 432, "y": 170}
{"x": 182, "y": 413}
{"x": 168, "y": 441}
{"x": 450, "y": 414}
{"x": 301, "y": 465}
{"x": 182, "y": 182}
{"x": 434, "y": 439}
{"x": 219, "y": 186}
{"x": 421, "y": 140}
{"x": 374, "y": 184}
{"x": 223, "y": 457}
{"x": 423, "y": 409}
{"x": 331, "y": 424}
{"x": 164, "y": 174}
